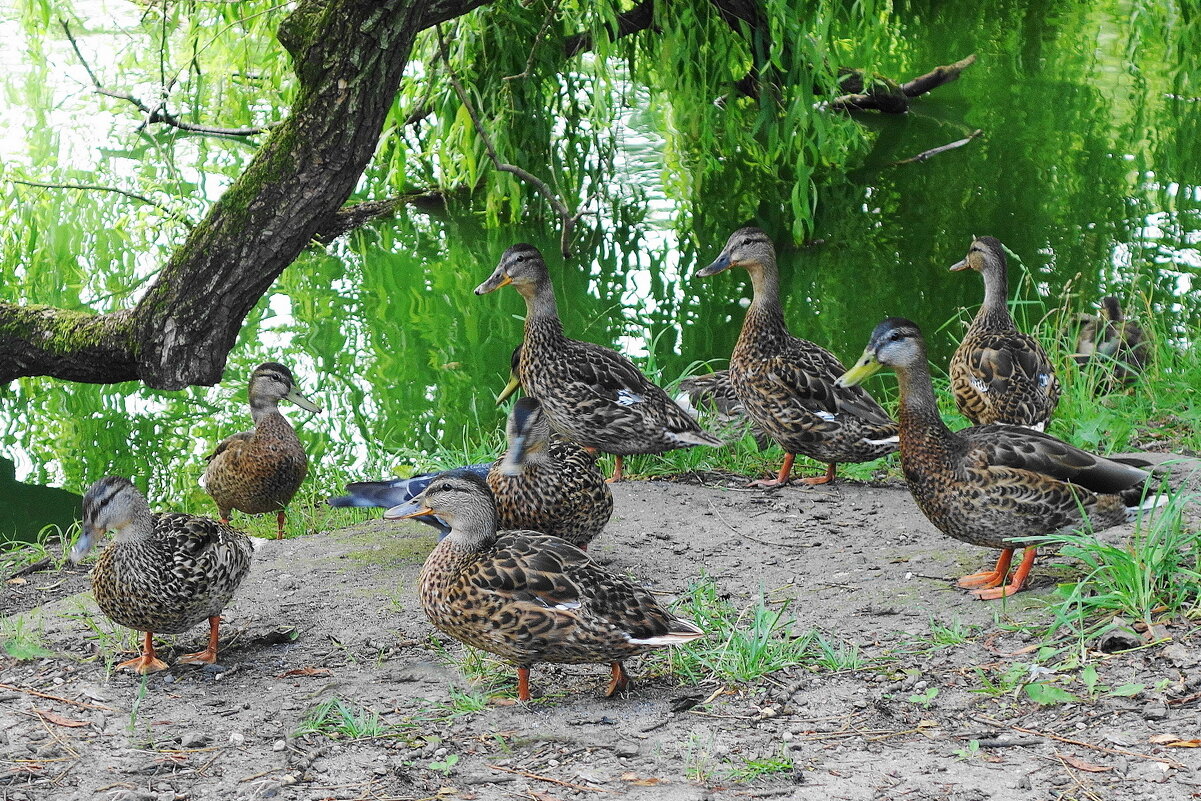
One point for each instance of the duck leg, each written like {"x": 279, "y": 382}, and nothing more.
{"x": 990, "y": 578}
{"x": 523, "y": 684}
{"x": 209, "y": 655}
{"x": 831, "y": 469}
{"x": 616, "y": 471}
{"x": 148, "y": 662}
{"x": 1019, "y": 579}
{"x": 280, "y": 517}
{"x": 780, "y": 480}
{"x": 620, "y": 680}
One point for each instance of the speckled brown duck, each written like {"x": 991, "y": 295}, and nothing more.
{"x": 787, "y": 384}
{"x": 999, "y": 374}
{"x": 540, "y": 483}
{"x": 590, "y": 394}
{"x": 1117, "y": 345}
{"x": 258, "y": 471}
{"x": 713, "y": 393}
{"x": 530, "y": 597}
{"x": 994, "y": 485}
{"x": 163, "y": 573}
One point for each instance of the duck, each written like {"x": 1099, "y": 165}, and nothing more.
{"x": 995, "y": 485}
{"x": 529, "y": 597}
{"x": 591, "y": 395}
{"x": 164, "y": 573}
{"x": 998, "y": 373}
{"x": 541, "y": 483}
{"x": 259, "y": 471}
{"x": 1111, "y": 340}
{"x": 712, "y": 393}
{"x": 787, "y": 385}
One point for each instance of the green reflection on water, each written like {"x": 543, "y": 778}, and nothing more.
{"x": 1087, "y": 169}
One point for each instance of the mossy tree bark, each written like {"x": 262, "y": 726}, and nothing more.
{"x": 349, "y": 56}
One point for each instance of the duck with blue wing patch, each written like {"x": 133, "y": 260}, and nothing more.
{"x": 530, "y": 597}
{"x": 787, "y": 385}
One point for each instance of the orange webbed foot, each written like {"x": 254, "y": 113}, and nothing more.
{"x": 146, "y": 663}
{"x": 1016, "y": 584}
{"x": 205, "y": 657}
{"x": 990, "y": 578}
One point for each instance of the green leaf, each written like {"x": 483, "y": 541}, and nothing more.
{"x": 1049, "y": 694}
{"x": 1128, "y": 690}
{"x": 1089, "y": 677}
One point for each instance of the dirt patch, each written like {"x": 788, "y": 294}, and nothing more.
{"x": 903, "y": 707}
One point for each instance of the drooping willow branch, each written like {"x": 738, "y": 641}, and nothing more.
{"x": 101, "y": 188}
{"x": 568, "y": 219}
{"x": 154, "y": 115}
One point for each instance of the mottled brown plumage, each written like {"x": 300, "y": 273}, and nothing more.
{"x": 993, "y": 485}
{"x": 163, "y": 573}
{"x": 999, "y": 374}
{"x": 787, "y": 385}
{"x": 259, "y": 471}
{"x": 1116, "y": 345}
{"x": 530, "y": 597}
{"x": 541, "y": 483}
{"x": 713, "y": 393}
{"x": 592, "y": 395}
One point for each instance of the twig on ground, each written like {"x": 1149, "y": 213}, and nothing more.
{"x": 730, "y": 526}
{"x": 39, "y": 694}
{"x": 542, "y": 778}
{"x": 42, "y": 564}
{"x": 1082, "y": 744}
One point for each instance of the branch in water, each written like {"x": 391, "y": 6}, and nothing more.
{"x": 934, "y": 151}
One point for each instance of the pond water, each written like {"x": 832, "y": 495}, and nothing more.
{"x": 1087, "y": 169}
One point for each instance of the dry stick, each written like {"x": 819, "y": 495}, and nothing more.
{"x": 1081, "y": 743}
{"x": 722, "y": 518}
{"x": 942, "y": 149}
{"x": 159, "y": 114}
{"x": 42, "y": 564}
{"x": 559, "y": 782}
{"x": 101, "y": 188}
{"x": 565, "y": 216}
{"x": 55, "y": 697}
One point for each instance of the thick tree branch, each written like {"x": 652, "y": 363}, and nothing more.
{"x": 349, "y": 56}
{"x": 888, "y": 97}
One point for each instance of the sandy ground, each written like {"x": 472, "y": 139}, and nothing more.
{"x": 334, "y": 616}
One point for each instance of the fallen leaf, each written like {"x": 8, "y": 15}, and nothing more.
{"x": 1172, "y": 741}
{"x": 538, "y": 795}
{"x": 305, "y": 671}
{"x": 17, "y": 580}
{"x": 636, "y": 781}
{"x": 1163, "y": 739}
{"x": 1080, "y": 764}
{"x": 59, "y": 720}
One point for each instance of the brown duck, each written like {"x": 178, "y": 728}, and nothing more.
{"x": 999, "y": 374}
{"x": 787, "y": 385}
{"x": 530, "y": 597}
{"x": 994, "y": 485}
{"x": 590, "y": 394}
{"x": 260, "y": 470}
{"x": 164, "y": 573}
{"x": 1116, "y": 344}
{"x": 540, "y": 483}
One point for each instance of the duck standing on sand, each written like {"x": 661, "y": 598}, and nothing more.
{"x": 590, "y": 394}
{"x": 163, "y": 573}
{"x": 259, "y": 471}
{"x": 787, "y": 385}
{"x": 995, "y": 485}
{"x": 530, "y": 597}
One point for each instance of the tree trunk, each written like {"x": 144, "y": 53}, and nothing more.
{"x": 349, "y": 56}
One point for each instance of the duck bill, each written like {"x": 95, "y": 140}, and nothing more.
{"x": 722, "y": 263}
{"x": 867, "y": 366}
{"x": 87, "y": 538}
{"x": 508, "y": 391}
{"x": 410, "y": 509}
{"x": 301, "y": 401}
{"x": 495, "y": 281}
{"x": 960, "y": 265}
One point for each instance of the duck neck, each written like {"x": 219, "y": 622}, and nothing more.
{"x": 921, "y": 427}
{"x": 139, "y": 529}
{"x": 263, "y": 408}
{"x": 473, "y": 533}
{"x": 995, "y": 310}
{"x": 541, "y": 313}
{"x": 764, "y": 316}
